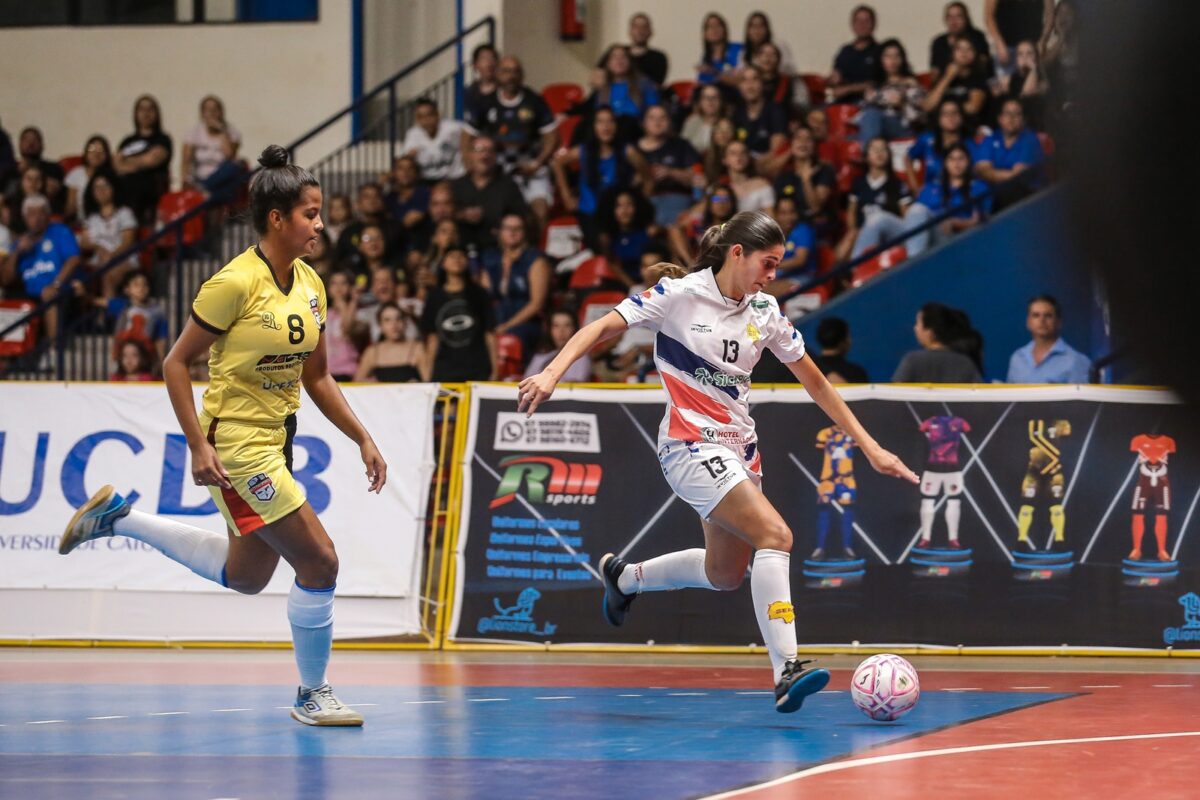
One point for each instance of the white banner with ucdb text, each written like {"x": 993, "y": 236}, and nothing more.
{"x": 61, "y": 442}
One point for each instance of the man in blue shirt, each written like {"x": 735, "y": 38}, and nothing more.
{"x": 45, "y": 257}
{"x": 1047, "y": 359}
{"x": 1011, "y": 151}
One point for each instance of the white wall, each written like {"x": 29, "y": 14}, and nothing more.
{"x": 277, "y": 80}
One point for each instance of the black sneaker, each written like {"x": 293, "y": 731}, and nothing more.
{"x": 616, "y": 602}
{"x": 796, "y": 684}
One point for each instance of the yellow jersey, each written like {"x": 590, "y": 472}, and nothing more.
{"x": 265, "y": 333}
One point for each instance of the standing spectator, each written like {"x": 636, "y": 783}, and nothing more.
{"x": 1047, "y": 358}
{"x": 624, "y": 220}
{"x": 951, "y": 349}
{"x": 45, "y": 257}
{"x": 209, "y": 161}
{"x": 650, "y": 62}
{"x": 670, "y": 160}
{"x": 718, "y": 206}
{"x": 459, "y": 342}
{"x": 483, "y": 196}
{"x": 139, "y": 318}
{"x": 1012, "y": 151}
{"x": 958, "y": 26}
{"x": 854, "y": 67}
{"x": 619, "y": 85}
{"x": 965, "y": 81}
{"x": 97, "y": 156}
{"x": 954, "y": 189}
{"x": 930, "y": 147}
{"x": 524, "y": 134}
{"x": 517, "y": 276}
{"x": 109, "y": 227}
{"x": 407, "y": 200}
{"x": 133, "y": 363}
{"x": 708, "y": 106}
{"x": 30, "y": 147}
{"x": 342, "y": 328}
{"x": 833, "y": 337}
{"x": 877, "y": 203}
{"x": 893, "y": 107}
{"x": 142, "y": 160}
{"x": 393, "y": 357}
{"x": 370, "y": 212}
{"x": 754, "y": 193}
{"x": 341, "y": 214}
{"x": 720, "y": 56}
{"x": 606, "y": 163}
{"x": 484, "y": 60}
{"x": 809, "y": 180}
{"x": 757, "y": 34}
{"x": 780, "y": 88}
{"x": 1011, "y": 21}
{"x": 560, "y": 327}
{"x": 1028, "y": 84}
{"x": 799, "y": 262}
{"x": 761, "y": 125}
{"x": 436, "y": 143}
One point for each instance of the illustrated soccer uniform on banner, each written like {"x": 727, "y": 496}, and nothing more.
{"x": 1044, "y": 478}
{"x": 836, "y": 485}
{"x": 943, "y": 473}
{"x": 705, "y": 348}
{"x": 265, "y": 334}
{"x": 1152, "y": 492}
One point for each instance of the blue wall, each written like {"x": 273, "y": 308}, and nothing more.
{"x": 990, "y": 273}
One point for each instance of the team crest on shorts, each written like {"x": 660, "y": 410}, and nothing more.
{"x": 261, "y": 486}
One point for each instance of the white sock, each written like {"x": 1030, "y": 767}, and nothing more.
{"x": 771, "y": 590}
{"x": 201, "y": 551}
{"x": 926, "y": 518}
{"x": 310, "y": 611}
{"x": 683, "y": 569}
{"x": 953, "y": 515}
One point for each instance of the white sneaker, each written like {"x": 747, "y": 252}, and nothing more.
{"x": 320, "y": 706}
{"x": 94, "y": 519}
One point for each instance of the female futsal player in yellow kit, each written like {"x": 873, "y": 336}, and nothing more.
{"x": 260, "y": 319}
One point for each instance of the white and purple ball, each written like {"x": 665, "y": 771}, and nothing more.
{"x": 885, "y": 687}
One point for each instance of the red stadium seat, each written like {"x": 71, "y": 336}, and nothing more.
{"x": 509, "y": 357}
{"x": 566, "y": 127}
{"x": 848, "y": 152}
{"x": 23, "y": 339}
{"x": 899, "y": 149}
{"x": 68, "y": 163}
{"x": 925, "y": 79}
{"x": 892, "y": 256}
{"x": 172, "y": 206}
{"x": 591, "y": 273}
{"x": 683, "y": 90}
{"x": 597, "y": 304}
{"x": 562, "y": 96}
{"x": 885, "y": 260}
{"x": 816, "y": 87}
{"x": 562, "y": 238}
{"x": 826, "y": 258}
{"x": 840, "y": 116}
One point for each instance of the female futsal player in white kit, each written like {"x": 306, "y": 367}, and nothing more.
{"x": 712, "y": 325}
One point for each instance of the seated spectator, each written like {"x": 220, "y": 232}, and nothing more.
{"x": 958, "y": 26}
{"x": 799, "y": 263}
{"x": 30, "y": 149}
{"x": 619, "y": 85}
{"x": 720, "y": 56}
{"x": 780, "y": 88}
{"x": 140, "y": 318}
{"x": 624, "y": 221}
{"x": 372, "y": 256}
{"x": 670, "y": 161}
{"x": 445, "y": 236}
{"x": 210, "y": 149}
{"x": 560, "y": 327}
{"x": 761, "y": 125}
{"x": 1009, "y": 22}
{"x": 343, "y": 329}
{"x": 1047, "y": 358}
{"x": 45, "y": 257}
{"x": 754, "y": 193}
{"x": 484, "y": 196}
{"x": 708, "y": 106}
{"x": 385, "y": 287}
{"x": 370, "y": 211}
{"x": 142, "y": 160}
{"x": 5, "y": 235}
{"x": 517, "y": 277}
{"x": 954, "y": 190}
{"x": 854, "y": 67}
{"x": 606, "y": 162}
{"x": 878, "y": 201}
{"x": 441, "y": 209}
{"x": 951, "y": 349}
{"x": 1060, "y": 60}
{"x": 321, "y": 259}
{"x": 893, "y": 107}
{"x": 393, "y": 357}
{"x": 435, "y": 142}
{"x": 133, "y": 363}
{"x": 757, "y": 34}
{"x": 407, "y": 199}
{"x": 460, "y": 344}
{"x": 650, "y": 62}
{"x": 929, "y": 150}
{"x": 523, "y": 132}
{"x": 341, "y": 214}
{"x": 964, "y": 80}
{"x": 1028, "y": 84}
{"x": 717, "y": 207}
{"x": 713, "y": 158}
{"x": 1012, "y": 151}
{"x": 833, "y": 337}
{"x": 484, "y": 61}
{"x": 109, "y": 227}
{"x": 32, "y": 182}
{"x": 96, "y": 156}
{"x": 809, "y": 180}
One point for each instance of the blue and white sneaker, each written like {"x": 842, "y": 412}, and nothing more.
{"x": 797, "y": 683}
{"x": 94, "y": 519}
{"x": 320, "y": 706}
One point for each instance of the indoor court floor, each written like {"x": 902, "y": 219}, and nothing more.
{"x": 207, "y": 724}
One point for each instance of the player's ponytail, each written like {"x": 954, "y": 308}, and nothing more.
{"x": 753, "y": 230}
{"x": 278, "y": 185}
{"x": 663, "y": 269}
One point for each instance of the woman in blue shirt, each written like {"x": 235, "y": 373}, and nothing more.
{"x": 720, "y": 58}
{"x": 930, "y": 147}
{"x": 624, "y": 222}
{"x": 624, "y": 89}
{"x": 954, "y": 189}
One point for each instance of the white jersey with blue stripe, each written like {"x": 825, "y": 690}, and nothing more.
{"x": 705, "y": 348}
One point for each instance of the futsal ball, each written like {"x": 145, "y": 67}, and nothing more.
{"x": 885, "y": 687}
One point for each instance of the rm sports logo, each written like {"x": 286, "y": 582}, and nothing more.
{"x": 547, "y": 481}
{"x": 517, "y": 618}
{"x": 1190, "y": 630}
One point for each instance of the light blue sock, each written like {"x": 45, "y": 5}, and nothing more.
{"x": 310, "y": 611}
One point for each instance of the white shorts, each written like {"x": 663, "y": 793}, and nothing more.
{"x": 536, "y": 186}
{"x": 932, "y": 483}
{"x": 701, "y": 474}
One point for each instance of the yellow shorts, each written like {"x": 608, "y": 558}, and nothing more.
{"x": 259, "y": 462}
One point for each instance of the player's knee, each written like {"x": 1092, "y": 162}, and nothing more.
{"x": 247, "y": 584}
{"x": 321, "y": 570}
{"x": 726, "y": 578}
{"x": 777, "y": 536}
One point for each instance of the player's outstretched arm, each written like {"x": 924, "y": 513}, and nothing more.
{"x": 825, "y": 396}
{"x": 536, "y": 389}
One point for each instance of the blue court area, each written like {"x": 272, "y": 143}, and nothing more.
{"x": 206, "y": 742}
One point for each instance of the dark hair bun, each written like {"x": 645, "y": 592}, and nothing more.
{"x": 273, "y": 156}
